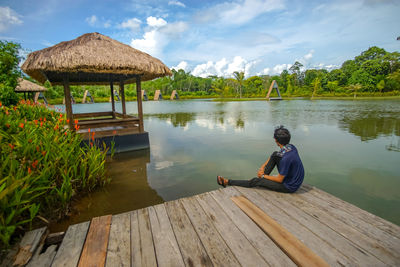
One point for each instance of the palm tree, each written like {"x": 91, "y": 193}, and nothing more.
{"x": 239, "y": 76}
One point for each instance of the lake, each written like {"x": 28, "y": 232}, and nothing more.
{"x": 349, "y": 148}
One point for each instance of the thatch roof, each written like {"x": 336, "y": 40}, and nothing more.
{"x": 27, "y": 86}
{"x": 92, "y": 59}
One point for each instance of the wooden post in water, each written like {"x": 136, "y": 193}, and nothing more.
{"x": 122, "y": 93}
{"x": 68, "y": 105}
{"x": 112, "y": 97}
{"x": 139, "y": 102}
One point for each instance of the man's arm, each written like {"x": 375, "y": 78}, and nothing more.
{"x": 261, "y": 170}
{"x": 279, "y": 178}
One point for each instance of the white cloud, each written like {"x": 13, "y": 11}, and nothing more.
{"x": 133, "y": 24}
{"x": 8, "y": 17}
{"x": 156, "y": 22}
{"x": 183, "y": 65}
{"x": 94, "y": 21}
{"x": 308, "y": 56}
{"x": 239, "y": 12}
{"x": 158, "y": 35}
{"x": 280, "y": 67}
{"x": 224, "y": 67}
{"x": 176, "y": 3}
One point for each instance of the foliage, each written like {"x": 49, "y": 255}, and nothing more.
{"x": 9, "y": 72}
{"x": 42, "y": 166}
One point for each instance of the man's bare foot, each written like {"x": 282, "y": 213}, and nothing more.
{"x": 222, "y": 181}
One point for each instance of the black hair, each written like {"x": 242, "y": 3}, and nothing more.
{"x": 282, "y": 135}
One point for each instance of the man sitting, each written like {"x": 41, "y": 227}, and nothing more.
{"x": 290, "y": 168}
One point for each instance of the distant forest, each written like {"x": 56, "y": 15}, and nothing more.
{"x": 374, "y": 72}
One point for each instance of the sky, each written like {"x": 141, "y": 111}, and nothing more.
{"x": 210, "y": 37}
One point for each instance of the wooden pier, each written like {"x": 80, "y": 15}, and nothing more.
{"x": 211, "y": 230}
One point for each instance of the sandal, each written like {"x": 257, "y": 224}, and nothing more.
{"x": 222, "y": 181}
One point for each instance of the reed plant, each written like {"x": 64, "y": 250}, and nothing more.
{"x": 43, "y": 165}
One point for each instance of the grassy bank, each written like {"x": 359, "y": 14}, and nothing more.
{"x": 43, "y": 166}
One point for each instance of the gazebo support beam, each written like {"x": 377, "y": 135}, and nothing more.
{"x": 112, "y": 97}
{"x": 139, "y": 103}
{"x": 68, "y": 105}
{"x": 122, "y": 94}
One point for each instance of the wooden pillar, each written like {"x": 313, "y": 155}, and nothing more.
{"x": 68, "y": 105}
{"x": 139, "y": 103}
{"x": 122, "y": 95}
{"x": 112, "y": 97}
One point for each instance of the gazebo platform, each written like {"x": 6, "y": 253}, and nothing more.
{"x": 211, "y": 230}
{"x": 107, "y": 127}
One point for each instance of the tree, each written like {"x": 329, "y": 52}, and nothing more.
{"x": 9, "y": 72}
{"x": 239, "y": 76}
{"x": 381, "y": 86}
{"x": 316, "y": 85}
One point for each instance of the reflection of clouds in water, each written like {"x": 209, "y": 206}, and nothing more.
{"x": 163, "y": 164}
{"x": 209, "y": 124}
{"x": 306, "y": 130}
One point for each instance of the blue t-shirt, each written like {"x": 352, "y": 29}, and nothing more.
{"x": 291, "y": 167}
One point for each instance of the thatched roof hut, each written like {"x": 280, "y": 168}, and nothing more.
{"x": 27, "y": 86}
{"x": 91, "y": 59}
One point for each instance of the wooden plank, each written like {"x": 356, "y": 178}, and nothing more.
{"x": 167, "y": 249}
{"x": 147, "y": 254}
{"x": 383, "y": 247}
{"x": 95, "y": 248}
{"x": 112, "y": 95}
{"x": 193, "y": 252}
{"x": 244, "y": 251}
{"x": 294, "y": 248}
{"x": 330, "y": 254}
{"x": 343, "y": 243}
{"x": 139, "y": 103}
{"x": 70, "y": 249}
{"x": 272, "y": 254}
{"x": 219, "y": 253}
{"x": 92, "y": 114}
{"x": 28, "y": 245}
{"x": 45, "y": 259}
{"x": 122, "y": 93}
{"x": 119, "y": 244}
{"x": 136, "y": 256}
{"x": 391, "y": 228}
{"x": 68, "y": 105}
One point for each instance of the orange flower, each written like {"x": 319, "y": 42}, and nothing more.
{"x": 35, "y": 121}
{"x": 15, "y": 108}
{"x": 93, "y": 136}
{"x": 30, "y": 141}
{"x": 8, "y": 125}
{"x": 7, "y": 112}
{"x": 65, "y": 133}
{"x": 76, "y": 121}
{"x": 88, "y": 130}
{"x": 44, "y": 119}
{"x": 29, "y": 170}
{"x": 91, "y": 144}
{"x": 61, "y": 115}
{"x": 35, "y": 163}
{"x": 44, "y": 153}
{"x": 37, "y": 148}
{"x": 11, "y": 146}
{"x": 0, "y": 104}
{"x": 56, "y": 127}
{"x": 67, "y": 120}
{"x": 41, "y": 123}
{"x": 114, "y": 132}
{"x": 21, "y": 125}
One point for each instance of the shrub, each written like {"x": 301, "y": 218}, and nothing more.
{"x": 43, "y": 165}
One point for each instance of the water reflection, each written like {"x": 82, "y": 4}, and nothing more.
{"x": 179, "y": 119}
{"x": 371, "y": 125}
{"x": 128, "y": 190}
